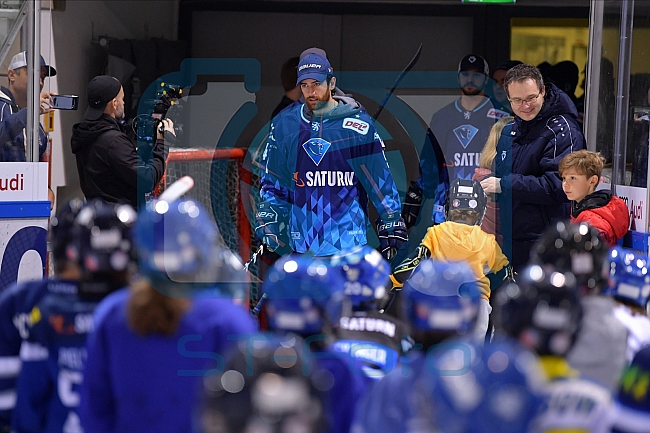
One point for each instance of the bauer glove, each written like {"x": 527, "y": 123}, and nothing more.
{"x": 391, "y": 237}
{"x": 271, "y": 226}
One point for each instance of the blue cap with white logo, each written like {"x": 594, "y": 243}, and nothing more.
{"x": 315, "y": 67}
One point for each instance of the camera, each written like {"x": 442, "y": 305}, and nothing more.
{"x": 146, "y": 125}
{"x": 65, "y": 102}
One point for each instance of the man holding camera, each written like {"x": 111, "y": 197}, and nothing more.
{"x": 109, "y": 164}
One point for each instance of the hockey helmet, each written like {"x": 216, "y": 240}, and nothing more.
{"x": 61, "y": 230}
{"x": 365, "y": 276}
{"x": 264, "y": 388}
{"x": 441, "y": 297}
{"x": 305, "y": 295}
{"x": 577, "y": 251}
{"x": 179, "y": 251}
{"x": 628, "y": 276}
{"x": 633, "y": 395}
{"x": 466, "y": 201}
{"x": 102, "y": 245}
{"x": 542, "y": 310}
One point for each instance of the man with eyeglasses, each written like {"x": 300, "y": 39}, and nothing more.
{"x": 526, "y": 181}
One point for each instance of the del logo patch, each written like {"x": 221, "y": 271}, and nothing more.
{"x": 316, "y": 149}
{"x": 356, "y": 125}
{"x": 496, "y": 114}
{"x": 465, "y": 134}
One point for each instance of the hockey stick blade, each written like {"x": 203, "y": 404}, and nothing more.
{"x": 412, "y": 63}
{"x": 177, "y": 189}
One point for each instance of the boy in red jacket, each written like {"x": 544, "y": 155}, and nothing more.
{"x": 580, "y": 173}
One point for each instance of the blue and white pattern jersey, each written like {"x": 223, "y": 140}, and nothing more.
{"x": 459, "y": 136}
{"x": 320, "y": 174}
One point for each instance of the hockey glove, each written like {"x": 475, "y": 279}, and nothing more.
{"x": 391, "y": 237}
{"x": 271, "y": 227}
{"x": 412, "y": 205}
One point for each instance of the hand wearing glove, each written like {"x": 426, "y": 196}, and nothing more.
{"x": 271, "y": 227}
{"x": 491, "y": 185}
{"x": 391, "y": 236}
{"x": 412, "y": 205}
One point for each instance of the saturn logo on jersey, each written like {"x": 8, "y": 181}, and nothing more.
{"x": 465, "y": 134}
{"x": 356, "y": 125}
{"x": 316, "y": 149}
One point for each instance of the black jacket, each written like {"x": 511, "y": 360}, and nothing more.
{"x": 109, "y": 165}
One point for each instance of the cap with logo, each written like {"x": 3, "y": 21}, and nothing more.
{"x": 314, "y": 67}
{"x": 101, "y": 90}
{"x": 474, "y": 62}
{"x": 20, "y": 61}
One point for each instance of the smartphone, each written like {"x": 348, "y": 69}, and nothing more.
{"x": 65, "y": 102}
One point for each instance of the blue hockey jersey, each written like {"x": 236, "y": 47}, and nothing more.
{"x": 52, "y": 359}
{"x": 150, "y": 384}
{"x": 320, "y": 171}
{"x": 16, "y": 317}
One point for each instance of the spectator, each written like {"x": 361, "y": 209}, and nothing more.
{"x": 526, "y": 181}
{"x": 109, "y": 165}
{"x": 292, "y": 93}
{"x": 492, "y": 221}
{"x": 322, "y": 162}
{"x": 580, "y": 173}
{"x": 459, "y": 131}
{"x": 565, "y": 75}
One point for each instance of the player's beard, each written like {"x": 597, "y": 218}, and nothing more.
{"x": 471, "y": 91}
{"x": 319, "y": 103}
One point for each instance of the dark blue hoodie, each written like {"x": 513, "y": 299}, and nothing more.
{"x": 527, "y": 161}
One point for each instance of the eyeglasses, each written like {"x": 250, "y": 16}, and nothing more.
{"x": 518, "y": 102}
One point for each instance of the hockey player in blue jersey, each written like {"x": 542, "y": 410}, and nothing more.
{"x": 440, "y": 303}
{"x": 322, "y": 162}
{"x": 153, "y": 342}
{"x": 376, "y": 341}
{"x": 17, "y": 302}
{"x": 53, "y": 354}
{"x": 306, "y": 297}
{"x": 457, "y": 135}
{"x": 632, "y": 413}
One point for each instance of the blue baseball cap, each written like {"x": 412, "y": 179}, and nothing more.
{"x": 20, "y": 61}
{"x": 314, "y": 67}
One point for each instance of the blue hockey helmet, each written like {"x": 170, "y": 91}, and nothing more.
{"x": 542, "y": 310}
{"x": 441, "y": 297}
{"x": 61, "y": 230}
{"x": 577, "y": 251}
{"x": 264, "y": 388}
{"x": 305, "y": 295}
{"x": 628, "y": 276}
{"x": 466, "y": 202}
{"x": 179, "y": 251}
{"x": 365, "y": 274}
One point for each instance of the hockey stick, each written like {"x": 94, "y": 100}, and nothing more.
{"x": 412, "y": 63}
{"x": 177, "y": 189}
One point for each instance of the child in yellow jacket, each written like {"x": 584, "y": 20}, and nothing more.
{"x": 460, "y": 238}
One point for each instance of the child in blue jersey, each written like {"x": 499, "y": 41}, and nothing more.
{"x": 53, "y": 353}
{"x": 153, "y": 343}
{"x": 17, "y": 302}
{"x": 323, "y": 161}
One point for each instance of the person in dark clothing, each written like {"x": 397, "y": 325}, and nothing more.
{"x": 292, "y": 92}
{"x": 110, "y": 166}
{"x": 526, "y": 181}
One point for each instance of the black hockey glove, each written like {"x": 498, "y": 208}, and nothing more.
{"x": 412, "y": 205}
{"x": 271, "y": 226}
{"x": 391, "y": 237}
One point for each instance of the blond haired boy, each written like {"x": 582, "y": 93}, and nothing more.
{"x": 580, "y": 173}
